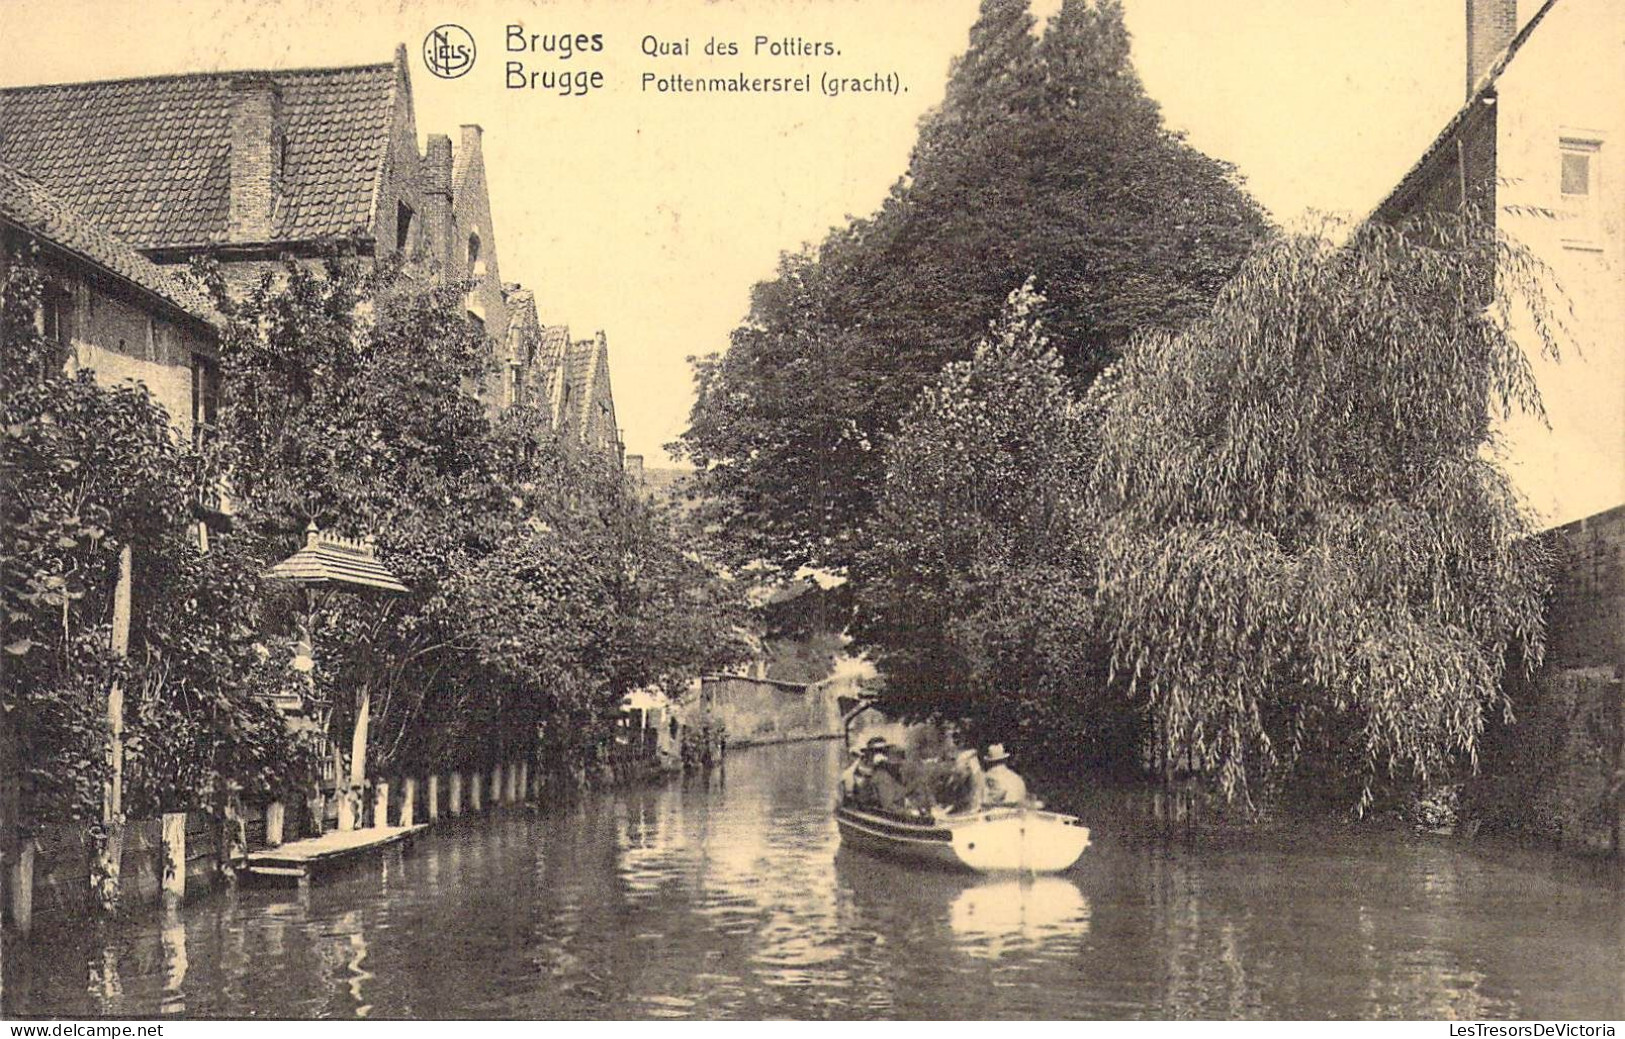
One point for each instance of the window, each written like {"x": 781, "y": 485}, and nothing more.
{"x": 1578, "y": 169}
{"x": 403, "y": 228}
{"x": 1576, "y": 172}
{"x": 56, "y": 319}
{"x": 516, "y": 385}
{"x": 476, "y": 270}
{"x": 205, "y": 397}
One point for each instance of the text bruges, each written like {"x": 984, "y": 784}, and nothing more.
{"x": 566, "y": 82}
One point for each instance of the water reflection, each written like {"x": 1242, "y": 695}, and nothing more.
{"x": 996, "y": 917}
{"x": 173, "y": 937}
{"x": 709, "y": 900}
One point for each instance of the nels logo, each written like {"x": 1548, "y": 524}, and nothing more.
{"x": 448, "y": 51}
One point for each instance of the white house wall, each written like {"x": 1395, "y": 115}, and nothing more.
{"x": 1567, "y": 82}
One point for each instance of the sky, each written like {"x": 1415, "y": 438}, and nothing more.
{"x": 650, "y": 215}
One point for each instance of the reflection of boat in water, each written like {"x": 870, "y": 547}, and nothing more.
{"x": 995, "y": 840}
{"x": 1030, "y": 910}
{"x": 985, "y": 917}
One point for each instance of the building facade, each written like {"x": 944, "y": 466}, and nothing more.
{"x": 253, "y": 168}
{"x": 110, "y": 309}
{"x": 1539, "y": 147}
{"x": 567, "y": 380}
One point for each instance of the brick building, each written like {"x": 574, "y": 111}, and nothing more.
{"x": 255, "y": 167}
{"x": 109, "y": 308}
{"x": 1539, "y": 145}
{"x": 568, "y": 379}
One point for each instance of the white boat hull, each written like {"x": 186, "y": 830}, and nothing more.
{"x": 999, "y": 840}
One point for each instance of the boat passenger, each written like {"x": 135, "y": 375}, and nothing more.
{"x": 1002, "y": 786}
{"x": 861, "y": 772}
{"x": 849, "y": 775}
{"x": 963, "y": 791}
{"x": 886, "y": 791}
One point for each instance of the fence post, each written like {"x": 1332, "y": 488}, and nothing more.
{"x": 108, "y": 854}
{"x": 173, "y": 843}
{"x": 455, "y": 804}
{"x": 524, "y": 781}
{"x": 380, "y": 804}
{"x": 275, "y": 813}
{"x": 22, "y": 887}
{"x": 409, "y": 795}
{"x": 474, "y": 791}
{"x": 434, "y": 797}
{"x": 496, "y": 785}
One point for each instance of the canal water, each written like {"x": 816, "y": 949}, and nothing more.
{"x": 729, "y": 897}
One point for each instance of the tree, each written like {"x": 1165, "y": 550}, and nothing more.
{"x": 1046, "y": 159}
{"x": 541, "y": 588}
{"x": 1311, "y": 562}
{"x": 976, "y": 588}
{"x": 87, "y": 470}
{"x": 350, "y": 406}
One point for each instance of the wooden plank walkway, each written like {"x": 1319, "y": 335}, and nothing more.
{"x": 298, "y": 860}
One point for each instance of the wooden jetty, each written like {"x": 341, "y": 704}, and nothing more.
{"x": 300, "y": 860}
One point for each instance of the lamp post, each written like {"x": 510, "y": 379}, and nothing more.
{"x": 348, "y": 565}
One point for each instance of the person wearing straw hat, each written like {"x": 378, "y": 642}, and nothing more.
{"x": 1002, "y": 785}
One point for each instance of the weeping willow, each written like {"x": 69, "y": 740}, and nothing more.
{"x": 1311, "y": 556}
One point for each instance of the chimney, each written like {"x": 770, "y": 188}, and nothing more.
{"x": 1491, "y": 24}
{"x": 471, "y": 139}
{"x": 256, "y": 157}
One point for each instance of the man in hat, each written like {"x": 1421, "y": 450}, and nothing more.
{"x": 849, "y": 775}
{"x": 1003, "y": 786}
{"x": 884, "y": 790}
{"x": 860, "y": 773}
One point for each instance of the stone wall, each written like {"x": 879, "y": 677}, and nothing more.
{"x": 123, "y": 341}
{"x": 1555, "y": 771}
{"x": 63, "y": 855}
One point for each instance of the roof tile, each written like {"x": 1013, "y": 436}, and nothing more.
{"x": 35, "y": 209}
{"x": 149, "y": 158}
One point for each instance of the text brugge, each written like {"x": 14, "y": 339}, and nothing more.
{"x": 565, "y": 80}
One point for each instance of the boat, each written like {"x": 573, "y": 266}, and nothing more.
{"x": 1004, "y": 839}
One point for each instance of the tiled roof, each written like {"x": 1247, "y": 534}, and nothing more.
{"x": 555, "y": 341}
{"x": 32, "y": 207}
{"x": 328, "y": 561}
{"x": 550, "y": 355}
{"x": 581, "y": 364}
{"x": 149, "y": 158}
{"x": 524, "y": 330}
